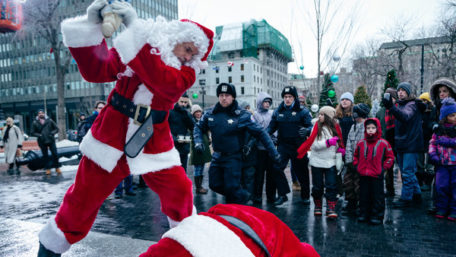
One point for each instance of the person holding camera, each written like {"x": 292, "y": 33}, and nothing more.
{"x": 181, "y": 125}
{"x": 408, "y": 140}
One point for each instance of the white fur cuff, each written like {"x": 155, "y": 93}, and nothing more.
{"x": 102, "y": 154}
{"x": 79, "y": 32}
{"x": 53, "y": 238}
{"x": 196, "y": 232}
{"x": 130, "y": 41}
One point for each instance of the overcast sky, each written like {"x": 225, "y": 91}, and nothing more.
{"x": 289, "y": 17}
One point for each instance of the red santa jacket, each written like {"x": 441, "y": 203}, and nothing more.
{"x": 373, "y": 154}
{"x": 146, "y": 72}
{"x": 208, "y": 235}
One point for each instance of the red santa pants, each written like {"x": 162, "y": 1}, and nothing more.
{"x": 94, "y": 184}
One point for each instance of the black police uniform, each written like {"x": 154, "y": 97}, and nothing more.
{"x": 228, "y": 126}
{"x": 288, "y": 121}
{"x": 181, "y": 124}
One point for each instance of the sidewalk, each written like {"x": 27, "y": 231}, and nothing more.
{"x": 20, "y": 239}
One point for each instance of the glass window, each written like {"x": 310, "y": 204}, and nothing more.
{"x": 242, "y": 90}
{"x": 229, "y": 69}
{"x": 242, "y": 78}
{"x": 242, "y": 66}
{"x": 230, "y": 79}
{"x": 217, "y": 80}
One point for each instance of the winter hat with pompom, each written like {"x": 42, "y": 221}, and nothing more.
{"x": 448, "y": 107}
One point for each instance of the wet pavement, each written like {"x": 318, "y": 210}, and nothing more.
{"x": 125, "y": 227}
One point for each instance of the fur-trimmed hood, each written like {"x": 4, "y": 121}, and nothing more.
{"x": 434, "y": 91}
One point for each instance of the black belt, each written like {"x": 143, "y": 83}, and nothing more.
{"x": 244, "y": 227}
{"x": 143, "y": 116}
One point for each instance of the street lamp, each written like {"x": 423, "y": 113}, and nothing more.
{"x": 202, "y": 83}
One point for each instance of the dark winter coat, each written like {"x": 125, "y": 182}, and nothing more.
{"x": 85, "y": 125}
{"x": 197, "y": 158}
{"x": 288, "y": 121}
{"x": 45, "y": 133}
{"x": 228, "y": 126}
{"x": 427, "y": 125}
{"x": 180, "y": 122}
{"x": 345, "y": 125}
{"x": 408, "y": 133}
{"x": 373, "y": 154}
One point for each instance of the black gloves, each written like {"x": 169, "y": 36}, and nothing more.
{"x": 246, "y": 150}
{"x": 199, "y": 148}
{"x": 277, "y": 158}
{"x": 388, "y": 103}
{"x": 303, "y": 132}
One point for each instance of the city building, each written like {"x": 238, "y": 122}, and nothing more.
{"x": 251, "y": 55}
{"x": 27, "y": 69}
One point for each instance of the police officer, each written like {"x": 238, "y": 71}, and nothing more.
{"x": 293, "y": 124}
{"x": 228, "y": 124}
{"x": 181, "y": 124}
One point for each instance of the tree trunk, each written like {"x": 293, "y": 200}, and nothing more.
{"x": 60, "y": 73}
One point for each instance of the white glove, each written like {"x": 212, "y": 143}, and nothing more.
{"x": 124, "y": 10}
{"x": 93, "y": 11}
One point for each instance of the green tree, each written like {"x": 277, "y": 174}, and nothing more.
{"x": 328, "y": 92}
{"x": 361, "y": 96}
{"x": 391, "y": 80}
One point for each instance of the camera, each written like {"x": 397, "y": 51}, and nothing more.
{"x": 387, "y": 96}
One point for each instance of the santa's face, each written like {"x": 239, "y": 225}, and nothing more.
{"x": 185, "y": 51}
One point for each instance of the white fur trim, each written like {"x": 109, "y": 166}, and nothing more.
{"x": 79, "y": 32}
{"x": 196, "y": 232}
{"x": 163, "y": 35}
{"x": 130, "y": 41}
{"x": 102, "y": 154}
{"x": 144, "y": 163}
{"x": 53, "y": 238}
{"x": 174, "y": 223}
{"x": 141, "y": 96}
{"x": 128, "y": 72}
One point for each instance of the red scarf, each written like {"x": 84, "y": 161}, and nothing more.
{"x": 305, "y": 147}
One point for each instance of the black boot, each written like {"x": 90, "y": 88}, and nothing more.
{"x": 198, "y": 184}
{"x": 281, "y": 199}
{"x": 43, "y": 252}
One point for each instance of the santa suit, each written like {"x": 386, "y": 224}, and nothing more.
{"x": 208, "y": 235}
{"x": 146, "y": 72}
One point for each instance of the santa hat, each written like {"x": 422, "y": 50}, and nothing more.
{"x": 209, "y": 234}
{"x": 209, "y": 34}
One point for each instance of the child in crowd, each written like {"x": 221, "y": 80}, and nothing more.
{"x": 442, "y": 154}
{"x": 351, "y": 176}
{"x": 372, "y": 156}
{"x": 325, "y": 141}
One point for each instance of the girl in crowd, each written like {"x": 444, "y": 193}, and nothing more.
{"x": 325, "y": 141}
{"x": 443, "y": 154}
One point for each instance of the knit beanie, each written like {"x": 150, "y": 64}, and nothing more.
{"x": 361, "y": 110}
{"x": 448, "y": 107}
{"x": 406, "y": 87}
{"x": 370, "y": 121}
{"x": 392, "y": 92}
{"x": 425, "y": 96}
{"x": 196, "y": 108}
{"x": 347, "y": 95}
{"x": 328, "y": 110}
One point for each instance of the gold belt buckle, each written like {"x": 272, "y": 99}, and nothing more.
{"x": 138, "y": 107}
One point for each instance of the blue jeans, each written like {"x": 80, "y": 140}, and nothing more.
{"x": 125, "y": 184}
{"x": 407, "y": 165}
{"x": 198, "y": 170}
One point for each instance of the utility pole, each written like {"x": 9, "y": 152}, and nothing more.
{"x": 422, "y": 68}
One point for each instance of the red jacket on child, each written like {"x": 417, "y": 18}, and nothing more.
{"x": 372, "y": 154}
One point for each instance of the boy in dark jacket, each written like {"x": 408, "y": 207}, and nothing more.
{"x": 372, "y": 156}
